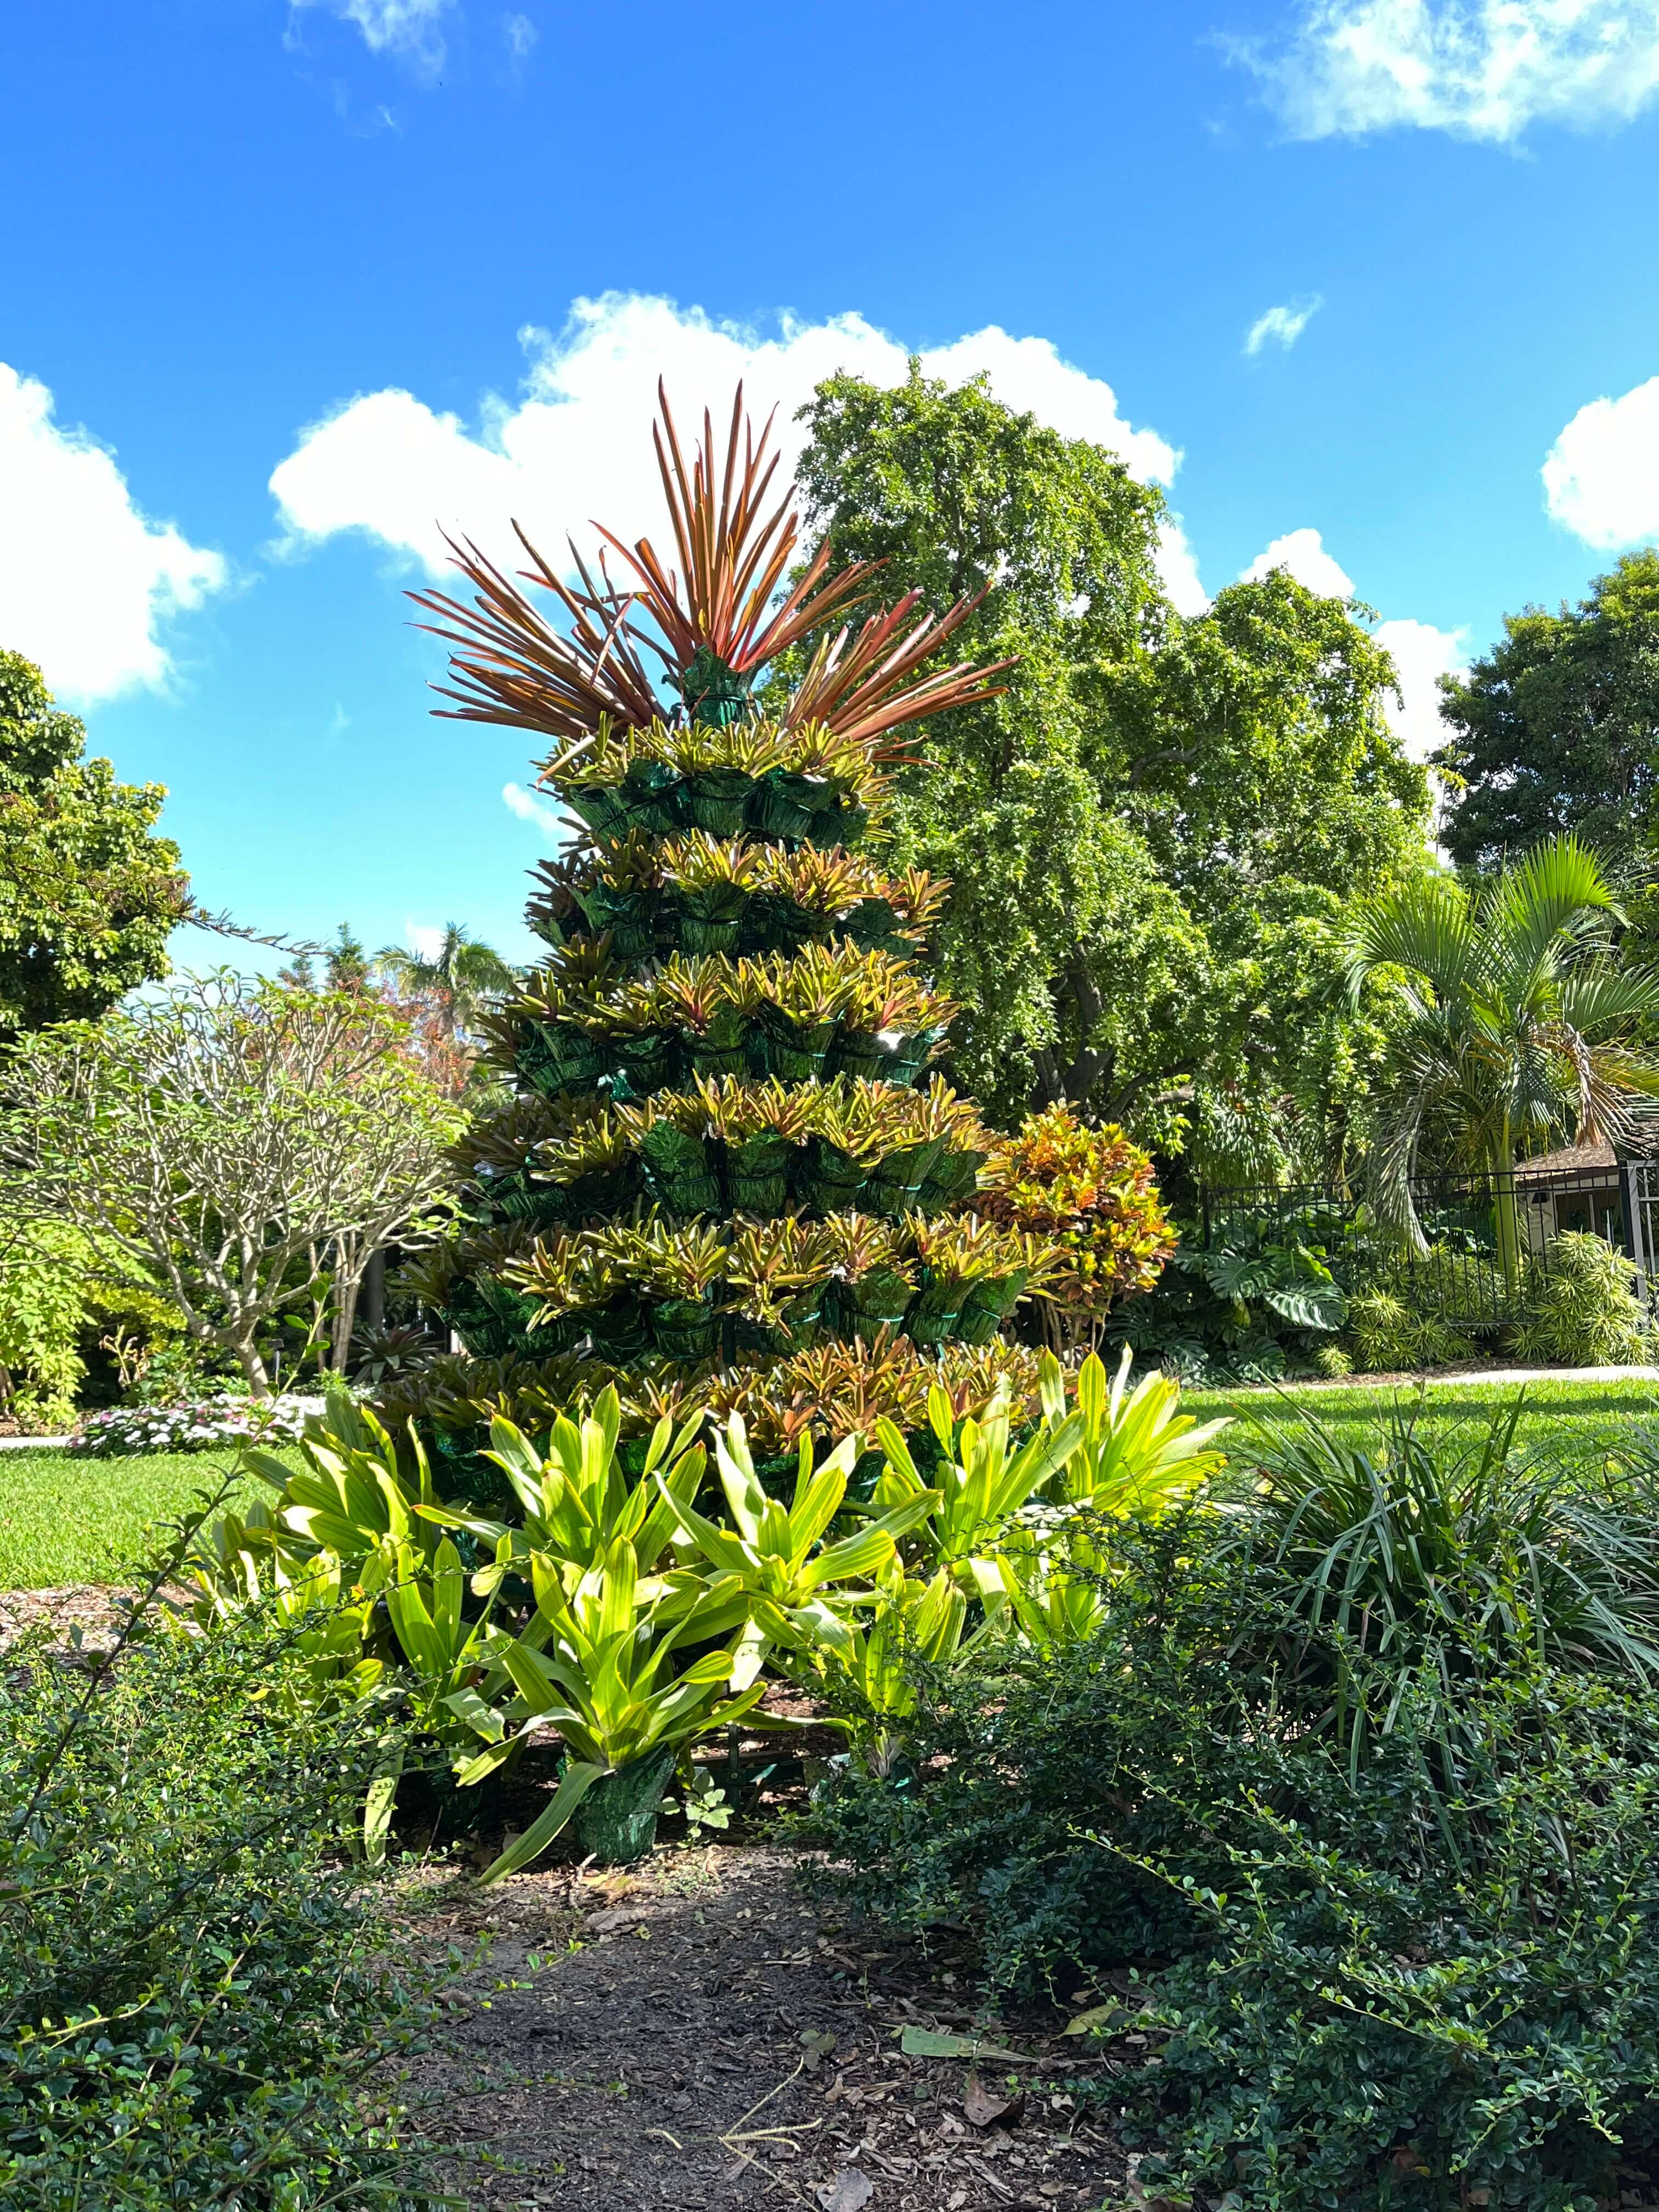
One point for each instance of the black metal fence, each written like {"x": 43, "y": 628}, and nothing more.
{"x": 1460, "y": 1276}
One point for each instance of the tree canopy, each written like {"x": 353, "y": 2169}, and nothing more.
{"x": 1558, "y": 726}
{"x": 88, "y": 894}
{"x": 1153, "y": 834}
{"x": 233, "y": 1143}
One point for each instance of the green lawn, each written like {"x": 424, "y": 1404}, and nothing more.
{"x": 65, "y": 1520}
{"x": 1577, "y": 1415}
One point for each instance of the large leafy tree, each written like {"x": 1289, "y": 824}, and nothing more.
{"x": 1522, "y": 1024}
{"x": 88, "y": 893}
{"x": 1558, "y": 726}
{"x": 1153, "y": 833}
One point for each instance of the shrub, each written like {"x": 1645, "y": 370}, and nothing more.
{"x": 1089, "y": 1193}
{"x": 40, "y": 1286}
{"x": 121, "y": 1432}
{"x": 1413, "y": 1964}
{"x": 1389, "y": 1336}
{"x": 192, "y": 2001}
{"x": 1581, "y": 1309}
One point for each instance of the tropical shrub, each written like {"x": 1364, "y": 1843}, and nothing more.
{"x": 1257, "y": 1298}
{"x": 1581, "y": 1308}
{"x": 40, "y": 1316}
{"x": 121, "y": 1432}
{"x": 1350, "y": 1830}
{"x": 194, "y": 1997}
{"x": 1392, "y": 1334}
{"x": 1089, "y": 1193}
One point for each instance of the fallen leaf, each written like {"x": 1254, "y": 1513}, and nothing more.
{"x": 847, "y": 2192}
{"x": 1097, "y": 2016}
{"x": 937, "y": 2042}
{"x": 818, "y": 2047}
{"x": 984, "y": 2107}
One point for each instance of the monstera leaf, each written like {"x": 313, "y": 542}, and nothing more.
{"x": 1310, "y": 1304}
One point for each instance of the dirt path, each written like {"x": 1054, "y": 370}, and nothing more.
{"x": 695, "y": 2034}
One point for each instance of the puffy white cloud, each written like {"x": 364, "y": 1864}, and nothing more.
{"x": 1601, "y": 475}
{"x": 424, "y": 939}
{"x": 1480, "y": 69}
{"x": 87, "y": 583}
{"x": 574, "y": 446}
{"x": 1178, "y": 568}
{"x": 411, "y": 30}
{"x": 529, "y": 808}
{"x": 1302, "y": 553}
{"x": 1281, "y": 326}
{"x": 1421, "y": 655}
{"x": 520, "y": 36}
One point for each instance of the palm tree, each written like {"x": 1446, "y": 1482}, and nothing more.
{"x": 1522, "y": 1028}
{"x": 458, "y": 980}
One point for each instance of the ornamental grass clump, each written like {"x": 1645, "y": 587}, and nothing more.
{"x": 724, "y": 1146}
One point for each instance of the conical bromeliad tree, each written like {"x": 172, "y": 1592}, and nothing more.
{"x": 728, "y": 1174}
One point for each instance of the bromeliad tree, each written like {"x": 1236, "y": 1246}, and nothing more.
{"x": 232, "y": 1145}
{"x": 726, "y": 1172}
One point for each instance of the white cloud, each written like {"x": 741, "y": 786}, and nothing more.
{"x": 1302, "y": 553}
{"x": 1421, "y": 654}
{"x": 410, "y": 29}
{"x": 1283, "y": 325}
{"x": 1480, "y": 69}
{"x": 577, "y": 445}
{"x": 87, "y": 583}
{"x": 424, "y": 939}
{"x": 1601, "y": 475}
{"x": 528, "y": 808}
{"x": 520, "y": 36}
{"x": 1178, "y": 568}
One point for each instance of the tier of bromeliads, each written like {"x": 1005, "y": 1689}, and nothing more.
{"x": 726, "y": 1176}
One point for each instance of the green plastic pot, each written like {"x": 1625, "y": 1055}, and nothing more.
{"x": 602, "y": 806}
{"x": 615, "y": 1823}
{"x": 932, "y": 1315}
{"x": 877, "y": 1301}
{"x": 860, "y": 1055}
{"x": 646, "y": 1058}
{"x": 830, "y": 1181}
{"x": 557, "y": 1056}
{"x": 988, "y": 1304}
{"x": 717, "y": 799}
{"x": 896, "y": 1182}
{"x": 758, "y": 1173}
{"x": 683, "y": 1328}
{"x": 618, "y": 1330}
{"x": 873, "y": 928}
{"x": 952, "y": 1178}
{"x": 786, "y": 804}
{"x": 678, "y": 1171}
{"x": 795, "y": 1051}
{"x": 652, "y": 798}
{"x": 697, "y": 936}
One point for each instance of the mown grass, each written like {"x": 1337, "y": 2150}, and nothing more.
{"x": 64, "y": 1520}
{"x": 1574, "y": 1417}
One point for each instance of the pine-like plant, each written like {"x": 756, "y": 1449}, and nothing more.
{"x": 726, "y": 1171}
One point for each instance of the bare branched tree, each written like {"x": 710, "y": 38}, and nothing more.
{"x": 230, "y": 1140}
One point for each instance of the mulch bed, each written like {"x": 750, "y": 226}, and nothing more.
{"x": 93, "y": 1609}
{"x": 693, "y": 2033}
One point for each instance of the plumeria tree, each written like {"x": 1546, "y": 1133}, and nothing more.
{"x": 232, "y": 1141}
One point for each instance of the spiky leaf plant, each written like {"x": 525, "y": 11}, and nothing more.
{"x": 727, "y": 1174}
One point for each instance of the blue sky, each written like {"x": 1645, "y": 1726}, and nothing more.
{"x": 284, "y": 285}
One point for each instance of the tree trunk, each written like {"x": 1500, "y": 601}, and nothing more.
{"x": 258, "y": 1380}
{"x": 1505, "y": 1213}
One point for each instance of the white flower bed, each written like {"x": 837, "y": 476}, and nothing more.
{"x": 122, "y": 1431}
